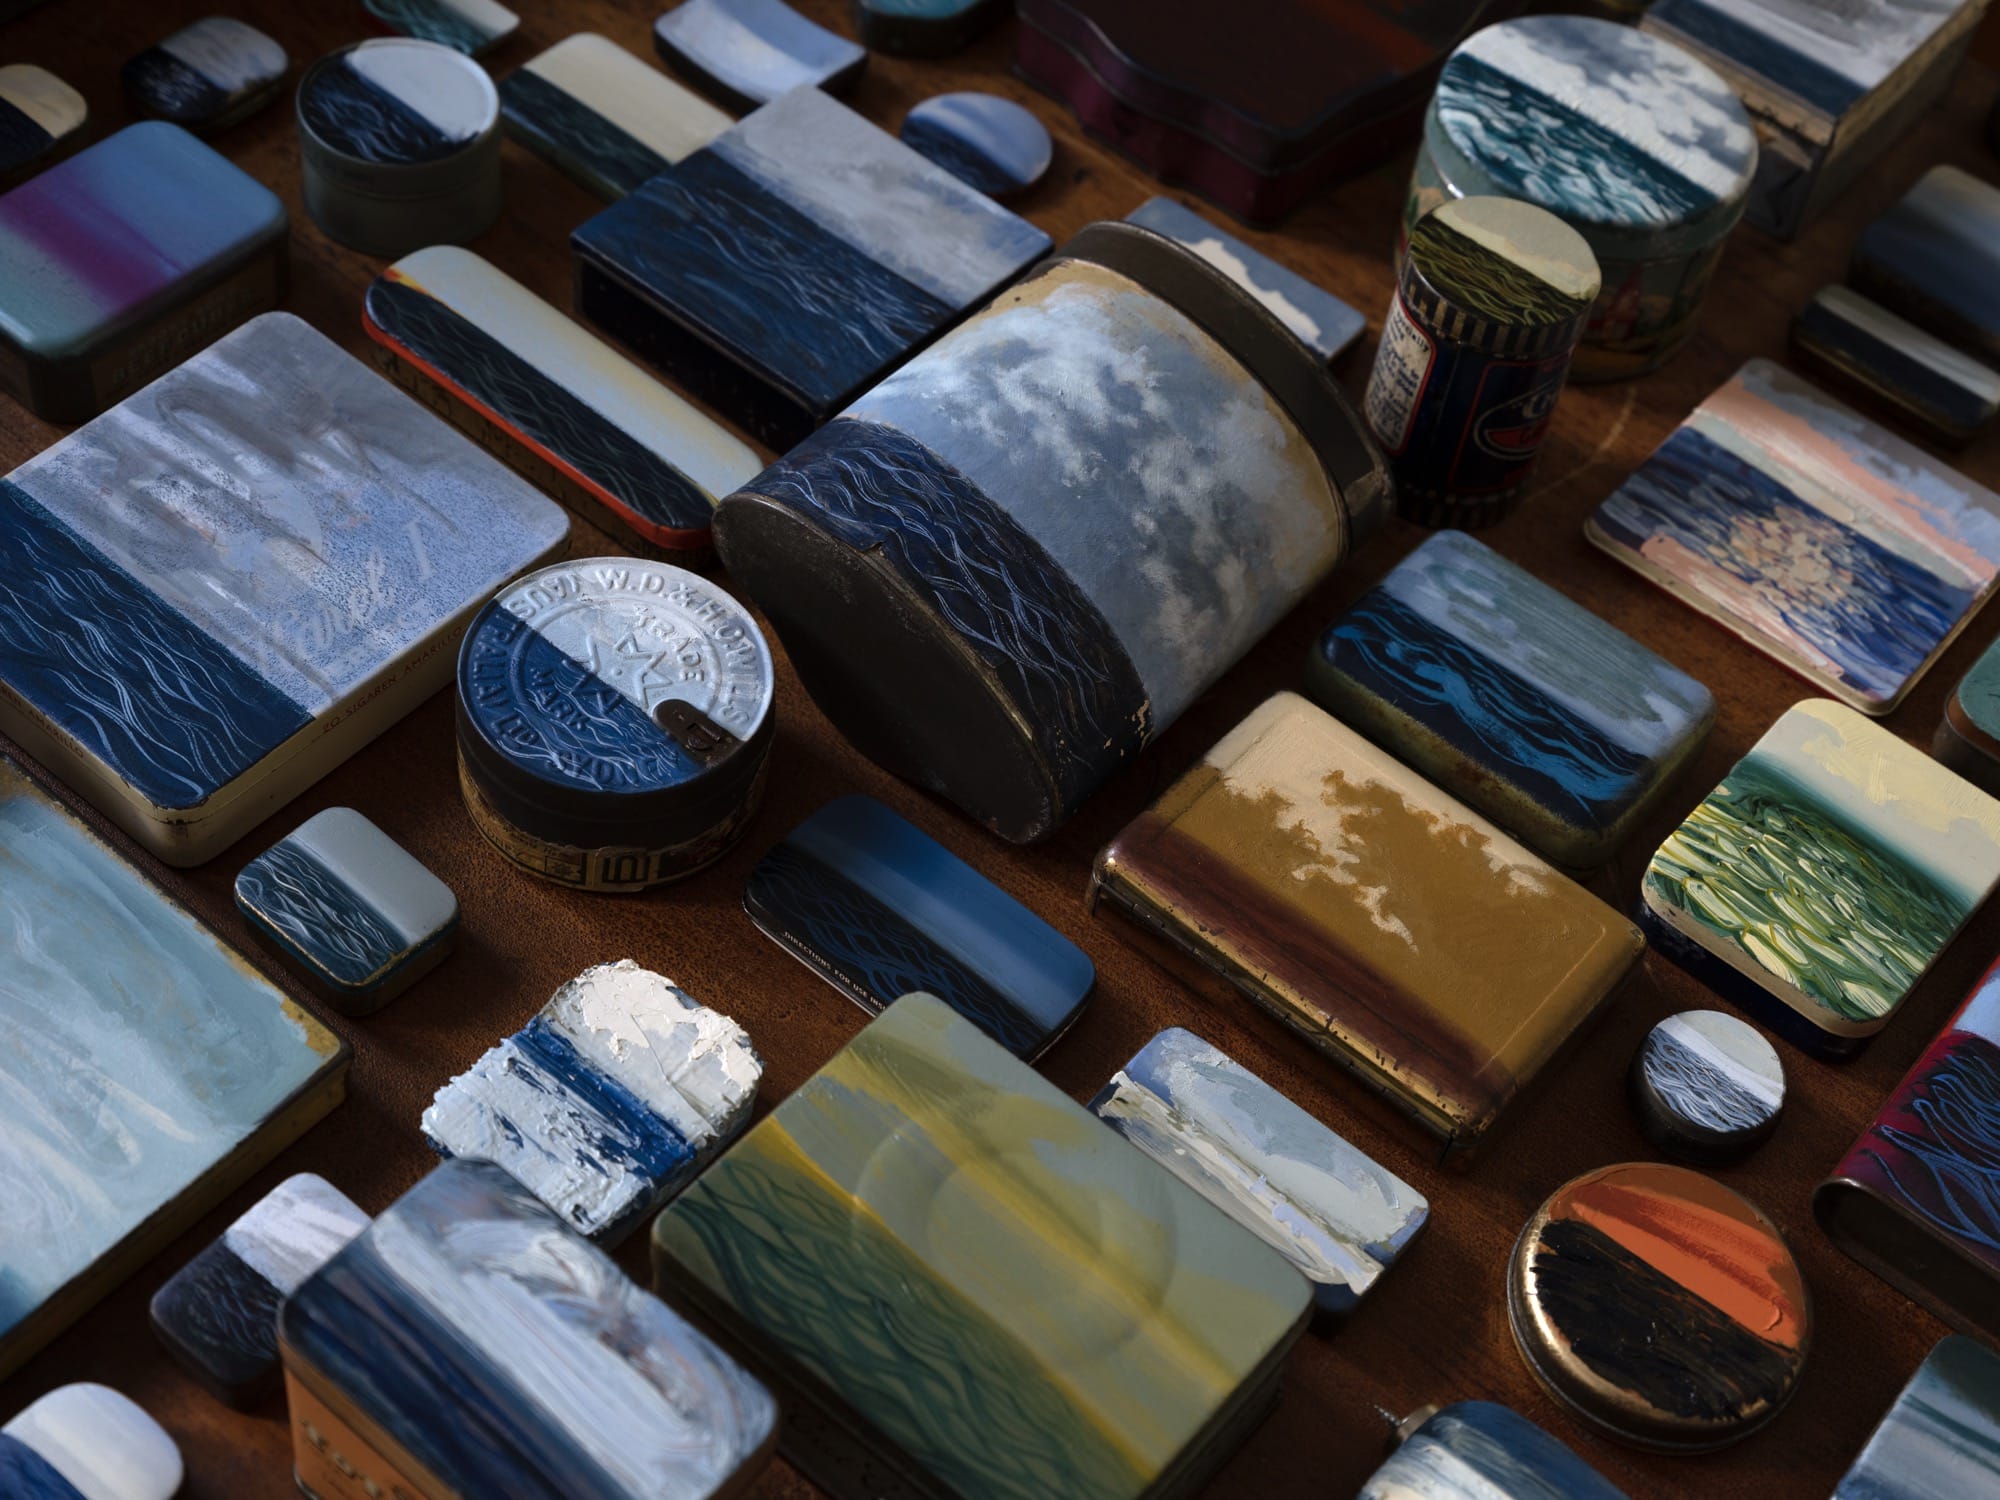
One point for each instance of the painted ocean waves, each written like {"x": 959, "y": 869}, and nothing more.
{"x": 1812, "y": 899}
{"x": 956, "y": 1256}
{"x": 590, "y": 147}
{"x": 1942, "y": 1437}
{"x": 321, "y": 914}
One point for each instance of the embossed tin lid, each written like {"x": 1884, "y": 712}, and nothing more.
{"x": 616, "y": 688}
{"x": 1271, "y": 352}
{"x": 1636, "y": 142}
{"x": 1661, "y": 1306}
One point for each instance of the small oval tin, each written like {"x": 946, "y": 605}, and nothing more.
{"x": 1638, "y": 145}
{"x": 1475, "y": 350}
{"x": 399, "y": 145}
{"x": 614, "y": 720}
{"x": 1661, "y": 1306}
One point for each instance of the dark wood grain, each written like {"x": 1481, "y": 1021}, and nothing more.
{"x": 1437, "y": 1329}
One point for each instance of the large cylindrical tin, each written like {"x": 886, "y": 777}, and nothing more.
{"x": 614, "y": 719}
{"x": 1635, "y": 143}
{"x": 399, "y": 146}
{"x": 1008, "y": 566}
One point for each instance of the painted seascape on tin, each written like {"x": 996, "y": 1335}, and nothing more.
{"x": 878, "y": 908}
{"x": 1917, "y": 1197}
{"x": 997, "y": 1286}
{"x": 39, "y": 114}
{"x": 749, "y": 52}
{"x": 987, "y": 142}
{"x": 604, "y": 117}
{"x": 1947, "y": 394}
{"x": 1476, "y": 1450}
{"x": 468, "y": 26}
{"x": 1816, "y": 885}
{"x": 1558, "y": 726}
{"x": 561, "y": 1376}
{"x": 607, "y": 1102}
{"x": 806, "y": 251}
{"x": 1934, "y": 257}
{"x": 207, "y": 75}
{"x": 87, "y": 1442}
{"x": 1339, "y": 1216}
{"x": 349, "y": 909}
{"x": 1942, "y": 1437}
{"x": 259, "y": 540}
{"x": 1832, "y": 545}
{"x": 145, "y": 1068}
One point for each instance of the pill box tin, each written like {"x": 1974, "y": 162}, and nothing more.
{"x": 1641, "y": 148}
{"x": 1054, "y": 579}
{"x": 83, "y": 320}
{"x": 220, "y": 590}
{"x": 399, "y": 146}
{"x": 614, "y": 720}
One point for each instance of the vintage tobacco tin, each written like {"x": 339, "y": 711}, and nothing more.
{"x": 1627, "y": 138}
{"x": 1056, "y": 580}
{"x": 84, "y": 321}
{"x": 1660, "y": 1306}
{"x": 1917, "y": 1197}
{"x": 614, "y": 719}
{"x": 399, "y": 146}
{"x": 1401, "y": 934}
{"x": 1489, "y": 303}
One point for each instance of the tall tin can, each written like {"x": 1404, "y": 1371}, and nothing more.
{"x": 1489, "y": 305}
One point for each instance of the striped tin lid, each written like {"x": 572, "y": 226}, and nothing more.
{"x": 1505, "y": 278}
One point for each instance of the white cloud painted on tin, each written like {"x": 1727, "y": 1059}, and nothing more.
{"x": 293, "y": 1230}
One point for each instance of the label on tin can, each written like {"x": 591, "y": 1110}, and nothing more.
{"x": 1396, "y": 388}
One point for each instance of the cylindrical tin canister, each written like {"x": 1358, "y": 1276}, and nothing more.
{"x": 399, "y": 146}
{"x": 1635, "y": 143}
{"x": 1474, "y": 352}
{"x": 614, "y": 719}
{"x": 1013, "y": 562}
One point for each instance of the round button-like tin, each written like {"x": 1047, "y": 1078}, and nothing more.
{"x": 1489, "y": 302}
{"x": 399, "y": 145}
{"x": 1645, "y": 150}
{"x": 1661, "y": 1306}
{"x": 1706, "y": 1087}
{"x": 614, "y": 719}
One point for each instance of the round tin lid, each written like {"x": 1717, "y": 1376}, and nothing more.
{"x": 1505, "y": 277}
{"x": 1660, "y": 1305}
{"x": 1619, "y": 132}
{"x": 1706, "y": 1086}
{"x": 1296, "y": 378}
{"x": 615, "y": 686}
{"x": 382, "y": 108}
{"x": 990, "y": 143}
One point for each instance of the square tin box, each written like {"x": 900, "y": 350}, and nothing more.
{"x": 1395, "y": 929}
{"x": 215, "y": 593}
{"x": 469, "y": 1345}
{"x": 1942, "y": 1437}
{"x": 793, "y": 261}
{"x": 964, "y": 1285}
{"x": 120, "y": 262}
{"x": 1830, "y": 86}
{"x": 1823, "y": 877}
{"x": 146, "y": 1068}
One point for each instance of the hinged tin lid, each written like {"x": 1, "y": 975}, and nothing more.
{"x": 1272, "y": 353}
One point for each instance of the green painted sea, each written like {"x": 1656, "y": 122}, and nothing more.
{"x": 1772, "y": 869}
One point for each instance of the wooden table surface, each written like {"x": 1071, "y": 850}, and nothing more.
{"x": 1436, "y": 1330}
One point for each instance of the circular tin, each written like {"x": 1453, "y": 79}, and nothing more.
{"x": 614, "y": 721}
{"x": 1003, "y": 593}
{"x": 1638, "y": 145}
{"x": 1475, "y": 349}
{"x": 399, "y": 146}
{"x": 1660, "y": 1306}
{"x": 1706, "y": 1087}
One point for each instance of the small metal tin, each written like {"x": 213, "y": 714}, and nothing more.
{"x": 1906, "y": 371}
{"x": 614, "y": 720}
{"x": 1644, "y": 150}
{"x": 1490, "y": 301}
{"x": 1479, "y": 1450}
{"x": 41, "y": 119}
{"x": 399, "y": 145}
{"x": 206, "y": 76}
{"x": 1917, "y": 1197}
{"x": 85, "y": 320}
{"x": 1707, "y": 1087}
{"x": 1968, "y": 737}
{"x": 1942, "y": 1437}
{"x": 1660, "y": 1306}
